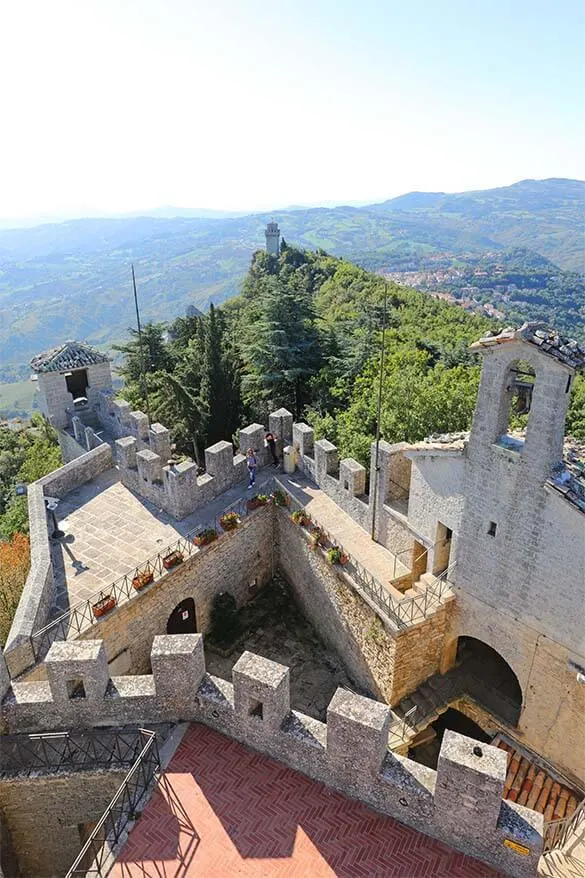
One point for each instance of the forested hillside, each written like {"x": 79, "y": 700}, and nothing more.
{"x": 72, "y": 280}
{"x": 305, "y": 334}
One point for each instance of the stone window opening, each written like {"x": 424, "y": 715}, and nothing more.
{"x": 255, "y": 708}
{"x": 568, "y": 387}
{"x": 492, "y": 529}
{"x": 516, "y": 405}
{"x": 75, "y": 689}
{"x": 77, "y": 383}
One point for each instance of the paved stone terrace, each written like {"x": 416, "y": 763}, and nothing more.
{"x": 110, "y": 531}
{"x": 224, "y": 810}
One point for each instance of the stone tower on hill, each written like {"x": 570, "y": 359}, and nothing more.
{"x": 272, "y": 239}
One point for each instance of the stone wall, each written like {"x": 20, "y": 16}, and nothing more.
{"x": 461, "y": 803}
{"x": 37, "y": 596}
{"x": 44, "y": 812}
{"x": 240, "y": 562}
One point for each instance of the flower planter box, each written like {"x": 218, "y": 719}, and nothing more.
{"x": 141, "y": 580}
{"x": 279, "y": 498}
{"x": 229, "y": 521}
{"x": 301, "y": 517}
{"x": 205, "y": 538}
{"x": 336, "y": 556}
{"x": 172, "y": 560}
{"x": 256, "y": 502}
{"x": 104, "y": 605}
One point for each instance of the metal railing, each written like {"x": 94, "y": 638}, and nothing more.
{"x": 557, "y": 832}
{"x": 80, "y": 617}
{"x": 71, "y": 751}
{"x": 403, "y": 612}
{"x": 96, "y": 856}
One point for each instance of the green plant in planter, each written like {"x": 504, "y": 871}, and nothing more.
{"x": 299, "y": 516}
{"x": 229, "y": 520}
{"x": 279, "y": 498}
{"x": 317, "y": 536}
{"x": 205, "y": 537}
{"x": 257, "y": 501}
{"x": 336, "y": 556}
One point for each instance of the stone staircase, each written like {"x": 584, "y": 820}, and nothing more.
{"x": 421, "y": 585}
{"x": 431, "y": 699}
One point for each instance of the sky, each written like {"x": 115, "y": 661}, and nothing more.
{"x": 114, "y": 106}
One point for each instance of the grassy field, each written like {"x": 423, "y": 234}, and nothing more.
{"x": 17, "y": 398}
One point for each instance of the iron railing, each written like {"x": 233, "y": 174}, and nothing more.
{"x": 96, "y": 856}
{"x": 72, "y": 751}
{"x": 403, "y": 612}
{"x": 556, "y": 832}
{"x": 80, "y": 617}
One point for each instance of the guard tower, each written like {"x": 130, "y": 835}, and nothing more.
{"x": 67, "y": 378}
{"x": 272, "y": 239}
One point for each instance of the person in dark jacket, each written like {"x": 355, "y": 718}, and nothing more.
{"x": 271, "y": 442}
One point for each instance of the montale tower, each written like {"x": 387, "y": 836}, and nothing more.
{"x": 272, "y": 239}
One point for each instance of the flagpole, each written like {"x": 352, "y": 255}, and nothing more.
{"x": 376, "y": 473}
{"x": 141, "y": 350}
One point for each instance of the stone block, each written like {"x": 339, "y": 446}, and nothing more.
{"x": 126, "y": 452}
{"x": 352, "y": 477}
{"x": 252, "y": 437}
{"x": 159, "y": 440}
{"x": 326, "y": 458}
{"x": 357, "y": 732}
{"x": 178, "y": 664}
{"x": 470, "y": 784}
{"x": 261, "y": 690}
{"x": 121, "y": 413}
{"x": 149, "y": 466}
{"x": 77, "y": 428}
{"x": 280, "y": 423}
{"x": 219, "y": 464}
{"x": 303, "y": 439}
{"x": 139, "y": 425}
{"x": 77, "y": 670}
{"x": 4, "y": 676}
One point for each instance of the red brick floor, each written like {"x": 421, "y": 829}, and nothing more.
{"x": 223, "y": 810}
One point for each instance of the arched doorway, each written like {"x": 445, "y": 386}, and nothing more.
{"x": 490, "y": 679}
{"x": 183, "y": 619}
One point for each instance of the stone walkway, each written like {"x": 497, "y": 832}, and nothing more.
{"x": 224, "y": 810}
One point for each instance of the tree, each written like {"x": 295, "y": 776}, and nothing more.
{"x": 14, "y": 567}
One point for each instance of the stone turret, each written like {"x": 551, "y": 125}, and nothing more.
{"x": 272, "y": 234}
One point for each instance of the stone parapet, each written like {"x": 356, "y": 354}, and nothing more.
{"x": 461, "y": 803}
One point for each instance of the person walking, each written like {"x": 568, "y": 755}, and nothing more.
{"x": 271, "y": 442}
{"x": 252, "y": 464}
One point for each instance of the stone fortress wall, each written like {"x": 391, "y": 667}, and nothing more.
{"x": 461, "y": 803}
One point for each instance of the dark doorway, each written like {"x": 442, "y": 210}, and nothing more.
{"x": 490, "y": 679}
{"x": 442, "y": 548}
{"x": 77, "y": 383}
{"x": 426, "y": 751}
{"x": 183, "y": 619}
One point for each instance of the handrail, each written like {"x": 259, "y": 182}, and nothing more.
{"x": 80, "y": 616}
{"x": 404, "y": 612}
{"x": 123, "y": 808}
{"x": 556, "y": 832}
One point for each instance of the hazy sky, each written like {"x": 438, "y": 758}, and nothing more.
{"x": 117, "y": 105}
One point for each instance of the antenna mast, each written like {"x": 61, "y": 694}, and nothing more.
{"x": 141, "y": 351}
{"x": 380, "y": 383}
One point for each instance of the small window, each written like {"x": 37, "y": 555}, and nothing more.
{"x": 255, "y": 709}
{"x": 346, "y": 485}
{"x": 75, "y": 689}
{"x": 568, "y": 387}
{"x": 492, "y": 529}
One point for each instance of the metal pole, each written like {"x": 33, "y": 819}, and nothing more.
{"x": 140, "y": 350}
{"x": 380, "y": 383}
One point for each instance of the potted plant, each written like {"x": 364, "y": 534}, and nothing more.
{"x": 336, "y": 556}
{"x": 257, "y": 501}
{"x": 103, "y": 605}
{"x": 141, "y": 580}
{"x": 229, "y": 520}
{"x": 317, "y": 536}
{"x": 204, "y": 537}
{"x": 172, "y": 559}
{"x": 279, "y": 498}
{"x": 301, "y": 516}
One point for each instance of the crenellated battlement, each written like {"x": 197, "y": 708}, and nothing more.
{"x": 460, "y": 803}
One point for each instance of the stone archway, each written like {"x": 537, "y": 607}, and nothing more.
{"x": 490, "y": 679}
{"x": 183, "y": 619}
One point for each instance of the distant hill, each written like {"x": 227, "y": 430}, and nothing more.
{"x": 72, "y": 279}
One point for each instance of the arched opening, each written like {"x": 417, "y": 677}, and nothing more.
{"x": 427, "y": 744}
{"x": 490, "y": 679}
{"x": 518, "y": 389}
{"x": 183, "y": 619}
